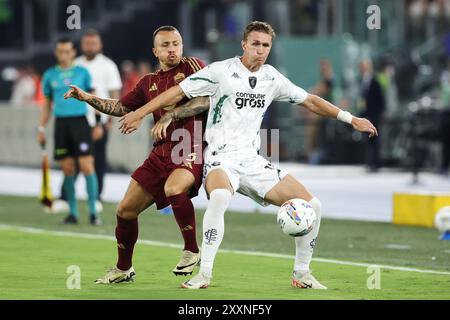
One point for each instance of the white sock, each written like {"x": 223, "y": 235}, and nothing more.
{"x": 304, "y": 246}
{"x": 213, "y": 228}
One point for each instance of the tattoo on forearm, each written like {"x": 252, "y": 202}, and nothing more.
{"x": 112, "y": 107}
{"x": 190, "y": 109}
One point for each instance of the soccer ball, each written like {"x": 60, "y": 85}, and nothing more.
{"x": 296, "y": 217}
{"x": 60, "y": 206}
{"x": 442, "y": 219}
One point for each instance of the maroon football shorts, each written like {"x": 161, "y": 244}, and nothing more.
{"x": 155, "y": 170}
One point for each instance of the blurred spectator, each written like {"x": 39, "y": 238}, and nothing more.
{"x": 144, "y": 68}
{"x": 427, "y": 18}
{"x": 445, "y": 100}
{"x": 371, "y": 104}
{"x": 130, "y": 77}
{"x": 306, "y": 11}
{"x": 438, "y": 17}
{"x": 316, "y": 125}
{"x": 386, "y": 79}
{"x": 107, "y": 84}
{"x": 39, "y": 98}
{"x": 416, "y": 12}
{"x": 24, "y": 88}
{"x": 445, "y": 86}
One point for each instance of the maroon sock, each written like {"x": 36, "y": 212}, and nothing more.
{"x": 184, "y": 213}
{"x": 126, "y": 235}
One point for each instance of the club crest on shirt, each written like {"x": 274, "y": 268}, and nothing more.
{"x": 252, "y": 82}
{"x": 179, "y": 77}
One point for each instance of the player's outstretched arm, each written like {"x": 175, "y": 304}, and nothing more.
{"x": 324, "y": 108}
{"x": 132, "y": 121}
{"x": 191, "y": 108}
{"x": 112, "y": 107}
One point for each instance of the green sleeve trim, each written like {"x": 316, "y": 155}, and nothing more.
{"x": 204, "y": 79}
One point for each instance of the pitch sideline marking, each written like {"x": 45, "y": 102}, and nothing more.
{"x": 242, "y": 252}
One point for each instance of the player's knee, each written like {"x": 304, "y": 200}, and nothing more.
{"x": 125, "y": 211}
{"x": 173, "y": 190}
{"x": 68, "y": 172}
{"x": 87, "y": 169}
{"x": 317, "y": 206}
{"x": 87, "y": 165}
{"x": 220, "y": 198}
{"x": 68, "y": 169}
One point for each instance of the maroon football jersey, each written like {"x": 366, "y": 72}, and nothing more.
{"x": 156, "y": 83}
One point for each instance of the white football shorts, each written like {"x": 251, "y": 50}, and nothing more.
{"x": 249, "y": 173}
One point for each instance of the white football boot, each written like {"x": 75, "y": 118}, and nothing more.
{"x": 199, "y": 281}
{"x": 306, "y": 281}
{"x": 115, "y": 275}
{"x": 187, "y": 263}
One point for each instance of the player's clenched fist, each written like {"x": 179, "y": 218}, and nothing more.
{"x": 77, "y": 93}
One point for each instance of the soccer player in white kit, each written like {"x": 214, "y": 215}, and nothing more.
{"x": 240, "y": 91}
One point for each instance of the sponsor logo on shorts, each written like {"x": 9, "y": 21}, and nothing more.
{"x": 188, "y": 162}
{"x": 61, "y": 151}
{"x": 84, "y": 146}
{"x": 206, "y": 167}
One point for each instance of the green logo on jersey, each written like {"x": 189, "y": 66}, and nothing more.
{"x": 217, "y": 116}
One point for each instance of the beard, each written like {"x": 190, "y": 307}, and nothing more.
{"x": 90, "y": 55}
{"x": 172, "y": 62}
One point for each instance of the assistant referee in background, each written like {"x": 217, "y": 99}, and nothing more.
{"x": 72, "y": 134}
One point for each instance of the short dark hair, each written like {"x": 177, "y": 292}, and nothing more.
{"x": 92, "y": 32}
{"x": 259, "y": 26}
{"x": 164, "y": 28}
{"x": 65, "y": 40}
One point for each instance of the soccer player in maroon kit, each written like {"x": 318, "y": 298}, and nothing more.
{"x": 159, "y": 179}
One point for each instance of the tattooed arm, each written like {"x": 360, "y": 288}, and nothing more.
{"x": 112, "y": 107}
{"x": 191, "y": 108}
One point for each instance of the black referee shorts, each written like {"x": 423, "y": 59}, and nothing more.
{"x": 73, "y": 138}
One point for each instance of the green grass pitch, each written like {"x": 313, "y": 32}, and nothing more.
{"x": 36, "y": 262}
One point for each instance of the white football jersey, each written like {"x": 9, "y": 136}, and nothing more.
{"x": 105, "y": 77}
{"x": 239, "y": 100}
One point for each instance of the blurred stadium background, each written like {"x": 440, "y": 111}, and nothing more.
{"x": 317, "y": 42}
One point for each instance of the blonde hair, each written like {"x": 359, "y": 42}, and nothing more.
{"x": 259, "y": 26}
